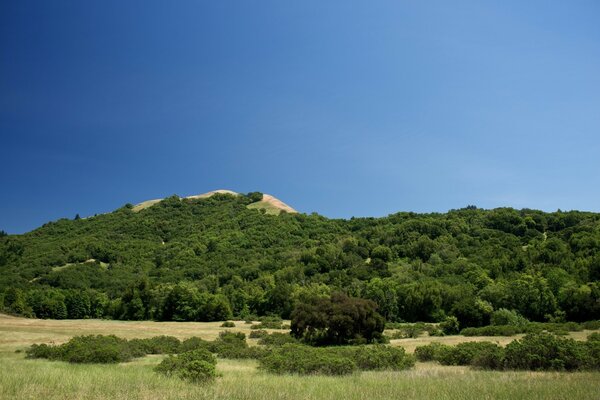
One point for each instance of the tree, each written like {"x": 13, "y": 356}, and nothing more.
{"x": 338, "y": 319}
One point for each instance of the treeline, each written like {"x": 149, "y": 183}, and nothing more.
{"x": 213, "y": 259}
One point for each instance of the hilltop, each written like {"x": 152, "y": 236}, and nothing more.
{"x": 270, "y": 204}
{"x": 222, "y": 254}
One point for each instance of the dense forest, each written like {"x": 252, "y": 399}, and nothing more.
{"x": 214, "y": 259}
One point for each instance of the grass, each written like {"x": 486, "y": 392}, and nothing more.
{"x": 34, "y": 379}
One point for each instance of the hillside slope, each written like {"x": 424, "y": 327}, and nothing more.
{"x": 180, "y": 257}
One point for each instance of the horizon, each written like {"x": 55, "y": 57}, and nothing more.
{"x": 344, "y": 110}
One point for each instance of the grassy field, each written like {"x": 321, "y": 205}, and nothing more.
{"x": 35, "y": 379}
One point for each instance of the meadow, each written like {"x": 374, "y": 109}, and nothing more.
{"x": 34, "y": 379}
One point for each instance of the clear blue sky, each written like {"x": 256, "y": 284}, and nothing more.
{"x": 343, "y": 108}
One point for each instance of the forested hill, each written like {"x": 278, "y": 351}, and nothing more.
{"x": 213, "y": 258}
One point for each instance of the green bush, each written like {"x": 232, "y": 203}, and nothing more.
{"x": 450, "y": 326}
{"x": 544, "y": 351}
{"x": 158, "y": 345}
{"x": 195, "y": 366}
{"x": 277, "y": 339}
{"x": 591, "y": 325}
{"x": 429, "y": 352}
{"x": 228, "y": 324}
{"x": 491, "y": 330}
{"x": 490, "y": 357}
{"x": 257, "y": 334}
{"x": 305, "y": 360}
{"x": 301, "y": 359}
{"x": 503, "y": 316}
{"x": 88, "y": 349}
{"x": 194, "y": 343}
{"x": 379, "y": 357}
{"x": 465, "y": 353}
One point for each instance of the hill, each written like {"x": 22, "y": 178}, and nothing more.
{"x": 214, "y": 255}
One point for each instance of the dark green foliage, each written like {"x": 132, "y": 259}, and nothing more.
{"x": 337, "y": 320}
{"x": 276, "y": 339}
{"x": 465, "y": 353}
{"x": 158, "y": 345}
{"x": 228, "y": 324}
{"x": 258, "y": 333}
{"x": 197, "y": 366}
{"x": 544, "y": 351}
{"x": 429, "y": 352}
{"x": 300, "y": 359}
{"x": 491, "y": 330}
{"x": 194, "y": 343}
{"x": 212, "y": 259}
{"x": 450, "y": 326}
{"x": 88, "y": 349}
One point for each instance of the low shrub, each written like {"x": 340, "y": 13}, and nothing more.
{"x": 379, "y": 357}
{"x": 301, "y": 359}
{"x": 158, "y": 345}
{"x": 544, "y": 351}
{"x": 228, "y": 324}
{"x": 88, "y": 349}
{"x": 196, "y": 366}
{"x": 591, "y": 325}
{"x": 489, "y": 357}
{"x": 306, "y": 360}
{"x": 429, "y": 352}
{"x": 450, "y": 326}
{"x": 194, "y": 343}
{"x": 465, "y": 353}
{"x": 277, "y": 339}
{"x": 491, "y": 330}
{"x": 257, "y": 334}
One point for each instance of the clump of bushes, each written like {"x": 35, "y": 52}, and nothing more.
{"x": 277, "y": 339}
{"x": 257, "y": 334}
{"x": 491, "y": 330}
{"x": 537, "y": 352}
{"x": 196, "y": 366}
{"x": 301, "y": 359}
{"x": 157, "y": 345}
{"x": 544, "y": 351}
{"x": 88, "y": 349}
{"x": 228, "y": 324}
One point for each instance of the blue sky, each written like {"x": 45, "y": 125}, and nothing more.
{"x": 343, "y": 108}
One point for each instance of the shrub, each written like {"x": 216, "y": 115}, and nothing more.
{"x": 228, "y": 324}
{"x": 503, "y": 316}
{"x": 380, "y": 357}
{"x": 43, "y": 351}
{"x": 465, "y": 353}
{"x": 591, "y": 325}
{"x": 491, "y": 330}
{"x": 257, "y": 334}
{"x": 194, "y": 343}
{"x": 490, "y": 357}
{"x": 195, "y": 366}
{"x": 544, "y": 351}
{"x": 277, "y": 339}
{"x": 88, "y": 349}
{"x": 158, "y": 345}
{"x": 429, "y": 352}
{"x": 300, "y": 359}
{"x": 294, "y": 358}
{"x": 450, "y": 326}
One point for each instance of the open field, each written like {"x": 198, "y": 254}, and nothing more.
{"x": 34, "y": 379}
